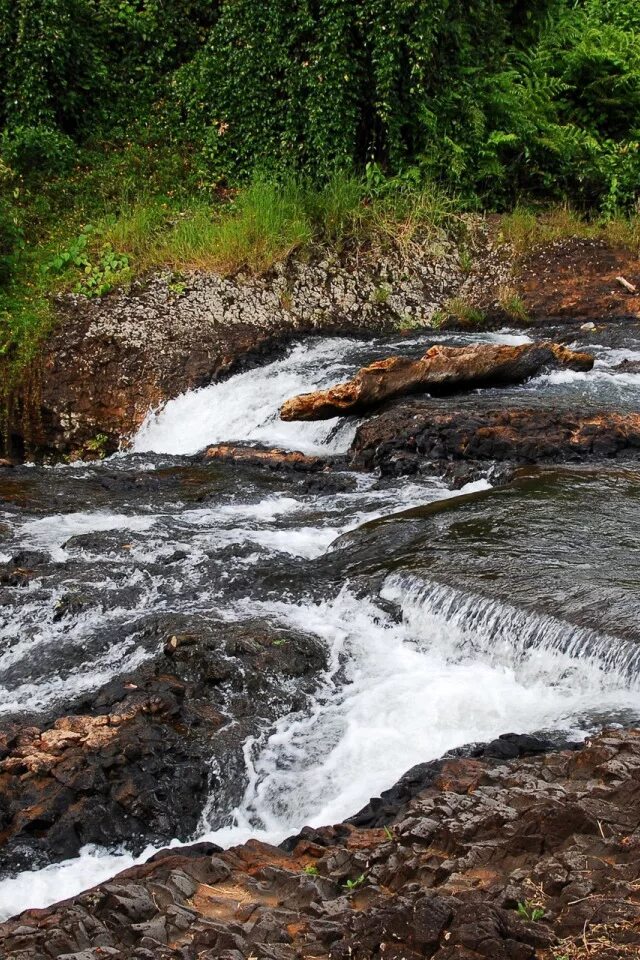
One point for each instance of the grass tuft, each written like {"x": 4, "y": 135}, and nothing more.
{"x": 525, "y": 230}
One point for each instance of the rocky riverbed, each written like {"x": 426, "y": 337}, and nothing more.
{"x": 234, "y": 633}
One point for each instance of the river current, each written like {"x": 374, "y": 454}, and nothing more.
{"x": 449, "y": 616}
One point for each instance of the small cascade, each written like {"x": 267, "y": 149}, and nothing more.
{"x": 246, "y": 408}
{"x": 454, "y": 669}
{"x": 470, "y": 626}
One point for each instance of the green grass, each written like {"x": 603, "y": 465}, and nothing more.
{"x": 133, "y": 212}
{"x": 513, "y": 305}
{"x": 267, "y": 221}
{"x": 526, "y": 230}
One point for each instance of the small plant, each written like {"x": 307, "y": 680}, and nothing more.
{"x": 102, "y": 277}
{"x": 177, "y": 286}
{"x": 286, "y": 300}
{"x": 466, "y": 260}
{"x": 99, "y": 277}
{"x": 98, "y": 445}
{"x": 278, "y": 643}
{"x": 354, "y": 884}
{"x": 75, "y": 255}
{"x": 513, "y": 305}
{"x": 530, "y": 912}
{"x": 459, "y": 310}
{"x": 438, "y": 318}
{"x": 406, "y": 321}
{"x": 381, "y": 294}
{"x": 388, "y": 833}
{"x": 311, "y": 870}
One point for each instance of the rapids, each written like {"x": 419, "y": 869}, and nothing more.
{"x": 448, "y": 616}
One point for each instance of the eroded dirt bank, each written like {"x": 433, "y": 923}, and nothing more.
{"x": 510, "y": 852}
{"x": 108, "y": 362}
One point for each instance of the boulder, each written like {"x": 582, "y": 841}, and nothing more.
{"x": 273, "y": 458}
{"x": 441, "y": 370}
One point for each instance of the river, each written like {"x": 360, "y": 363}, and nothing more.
{"x": 448, "y": 616}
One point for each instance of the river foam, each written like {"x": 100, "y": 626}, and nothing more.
{"x": 398, "y": 691}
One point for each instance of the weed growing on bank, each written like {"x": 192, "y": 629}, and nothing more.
{"x": 525, "y": 229}
{"x": 461, "y": 312}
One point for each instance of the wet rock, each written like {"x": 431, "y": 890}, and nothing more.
{"x": 628, "y": 366}
{"x": 527, "y": 858}
{"x": 441, "y": 370}
{"x": 412, "y": 432}
{"x": 141, "y": 757}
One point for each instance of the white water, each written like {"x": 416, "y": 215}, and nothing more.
{"x": 598, "y": 383}
{"x": 245, "y": 408}
{"x": 453, "y": 670}
{"x": 395, "y": 694}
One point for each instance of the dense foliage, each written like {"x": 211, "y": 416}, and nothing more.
{"x": 495, "y": 101}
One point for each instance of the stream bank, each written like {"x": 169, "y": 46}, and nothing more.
{"x": 108, "y": 361}
{"x": 511, "y": 853}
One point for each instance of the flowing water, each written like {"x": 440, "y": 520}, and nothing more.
{"x": 449, "y": 616}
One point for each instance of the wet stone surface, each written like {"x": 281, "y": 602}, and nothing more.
{"x": 508, "y": 859}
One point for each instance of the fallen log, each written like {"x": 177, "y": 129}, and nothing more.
{"x": 441, "y": 370}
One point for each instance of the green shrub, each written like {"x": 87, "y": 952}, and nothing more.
{"x": 38, "y": 149}
{"x": 326, "y": 85}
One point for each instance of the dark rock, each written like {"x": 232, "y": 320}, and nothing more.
{"x": 415, "y": 432}
{"x": 628, "y": 366}
{"x": 135, "y": 767}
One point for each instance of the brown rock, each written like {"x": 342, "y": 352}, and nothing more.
{"x": 274, "y": 458}
{"x": 441, "y": 370}
{"x": 411, "y": 432}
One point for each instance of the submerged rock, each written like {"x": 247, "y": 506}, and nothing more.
{"x": 410, "y": 433}
{"x": 442, "y": 370}
{"x": 485, "y": 857}
{"x": 627, "y": 366}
